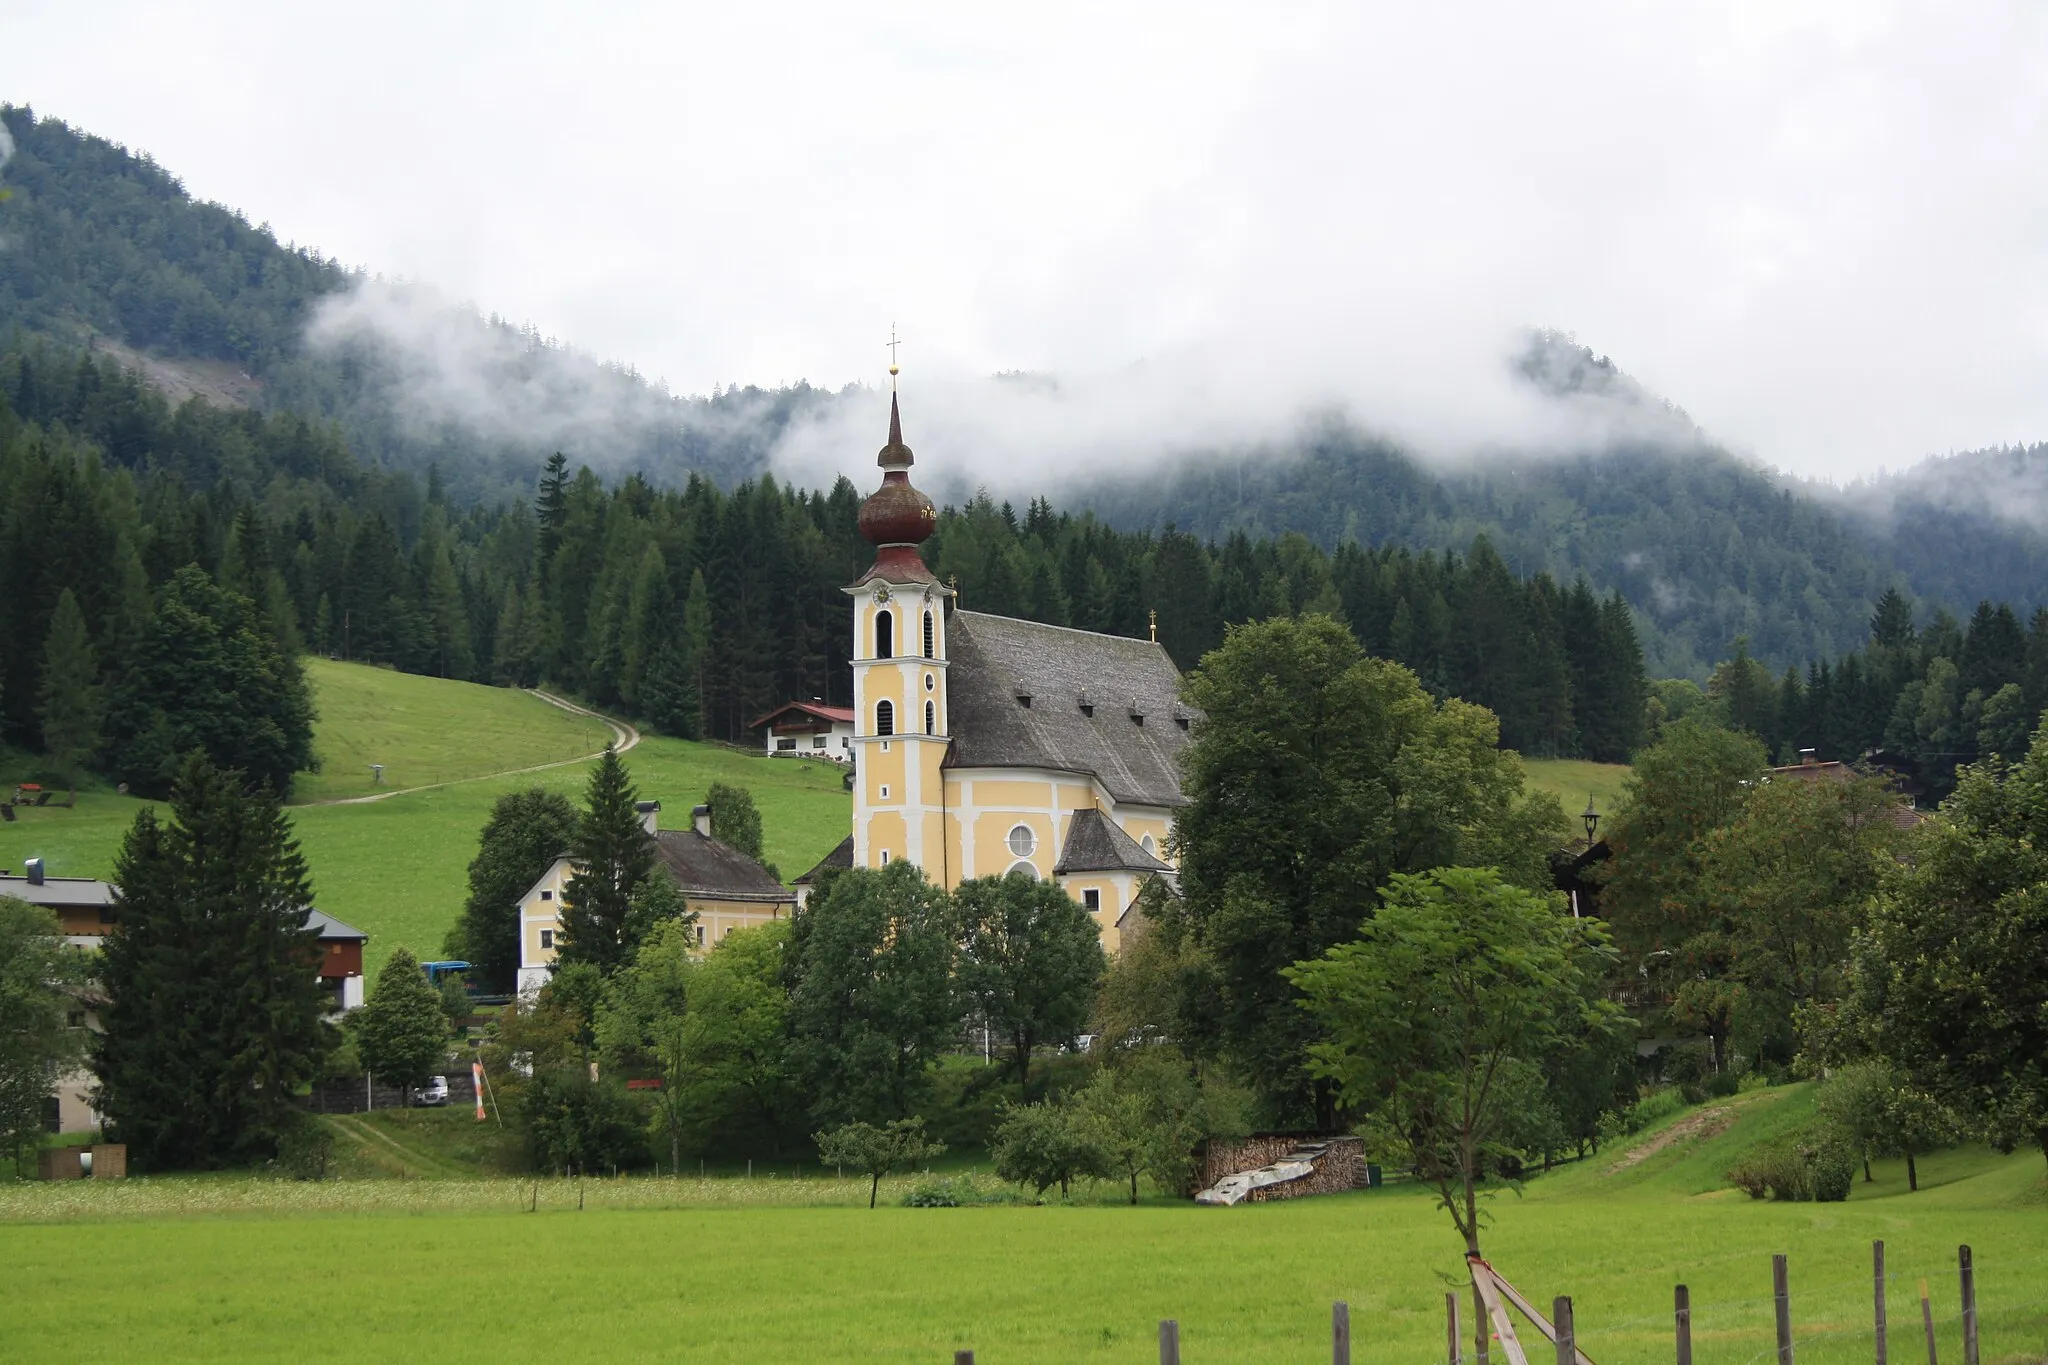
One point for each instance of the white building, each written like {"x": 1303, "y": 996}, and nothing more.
{"x": 808, "y": 729}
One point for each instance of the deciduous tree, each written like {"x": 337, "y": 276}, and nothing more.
{"x": 875, "y": 1151}
{"x": 41, "y": 981}
{"x": 1030, "y": 958}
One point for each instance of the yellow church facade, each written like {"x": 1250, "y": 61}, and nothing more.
{"x": 986, "y": 745}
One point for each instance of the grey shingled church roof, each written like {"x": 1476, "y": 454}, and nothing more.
{"x": 997, "y": 658}
{"x": 705, "y": 867}
{"x": 1096, "y": 844}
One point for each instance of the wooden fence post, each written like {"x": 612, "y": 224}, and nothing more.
{"x": 1781, "y": 1290}
{"x": 1681, "y": 1311}
{"x": 1169, "y": 1342}
{"x": 1927, "y": 1321}
{"x": 963, "y": 1358}
{"x": 1454, "y": 1335}
{"x": 1340, "y": 1333}
{"x": 1482, "y": 1331}
{"x": 1567, "y": 1335}
{"x": 1877, "y": 1273}
{"x": 1969, "y": 1277}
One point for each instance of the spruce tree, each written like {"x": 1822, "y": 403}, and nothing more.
{"x": 527, "y": 831}
{"x": 612, "y": 854}
{"x": 401, "y": 1031}
{"x": 214, "y": 1014}
{"x": 71, "y": 709}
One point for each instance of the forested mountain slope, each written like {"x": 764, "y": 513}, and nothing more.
{"x": 105, "y": 248}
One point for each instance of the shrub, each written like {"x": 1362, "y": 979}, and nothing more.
{"x": 1816, "y": 1163}
{"x": 1654, "y": 1107}
{"x": 956, "y": 1191}
{"x": 576, "y": 1124}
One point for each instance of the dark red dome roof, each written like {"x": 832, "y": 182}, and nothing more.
{"x": 896, "y": 513}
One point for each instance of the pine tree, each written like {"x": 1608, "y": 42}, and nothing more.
{"x": 215, "y": 1006}
{"x": 612, "y": 855}
{"x": 71, "y": 708}
{"x": 401, "y": 1031}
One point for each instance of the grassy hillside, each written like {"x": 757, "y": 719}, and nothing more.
{"x": 1572, "y": 780}
{"x": 397, "y": 868}
{"x": 103, "y": 1271}
{"x": 429, "y": 730}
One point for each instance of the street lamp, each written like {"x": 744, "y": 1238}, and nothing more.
{"x": 1592, "y": 819}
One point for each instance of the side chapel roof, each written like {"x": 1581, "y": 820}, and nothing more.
{"x": 1095, "y": 843}
{"x": 1026, "y": 695}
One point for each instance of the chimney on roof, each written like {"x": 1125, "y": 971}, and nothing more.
{"x": 1808, "y": 757}
{"x": 650, "y": 815}
{"x": 701, "y": 818}
{"x": 34, "y": 868}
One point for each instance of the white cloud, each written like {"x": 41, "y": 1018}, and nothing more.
{"x": 1818, "y": 226}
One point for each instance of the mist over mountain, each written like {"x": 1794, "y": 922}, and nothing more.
{"x": 1554, "y": 454}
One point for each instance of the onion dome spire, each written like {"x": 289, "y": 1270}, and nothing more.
{"x": 897, "y": 518}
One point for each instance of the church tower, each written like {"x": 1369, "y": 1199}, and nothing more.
{"x": 900, "y": 724}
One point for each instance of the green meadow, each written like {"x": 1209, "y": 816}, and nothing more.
{"x": 788, "y": 1269}
{"x": 397, "y": 867}
{"x": 1572, "y": 780}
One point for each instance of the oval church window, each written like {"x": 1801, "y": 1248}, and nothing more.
{"x": 1023, "y": 842}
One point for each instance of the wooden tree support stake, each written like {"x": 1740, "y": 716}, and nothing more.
{"x": 1567, "y": 1335}
{"x": 1494, "y": 1290}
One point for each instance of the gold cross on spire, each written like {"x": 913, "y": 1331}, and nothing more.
{"x": 893, "y": 344}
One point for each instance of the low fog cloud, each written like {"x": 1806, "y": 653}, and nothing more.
{"x": 1814, "y": 224}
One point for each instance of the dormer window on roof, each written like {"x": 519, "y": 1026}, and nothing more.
{"x": 1137, "y": 712}
{"x": 1087, "y": 705}
{"x": 1023, "y": 692}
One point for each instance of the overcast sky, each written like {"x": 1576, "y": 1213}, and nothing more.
{"x": 1822, "y": 228}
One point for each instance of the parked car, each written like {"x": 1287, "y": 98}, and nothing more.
{"x": 434, "y": 1092}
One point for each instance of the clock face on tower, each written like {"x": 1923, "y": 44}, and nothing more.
{"x": 882, "y": 593}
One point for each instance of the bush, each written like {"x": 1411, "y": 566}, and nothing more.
{"x": 575, "y": 1124}
{"x": 1654, "y": 1107}
{"x": 1818, "y": 1163}
{"x": 956, "y": 1191}
{"x": 305, "y": 1149}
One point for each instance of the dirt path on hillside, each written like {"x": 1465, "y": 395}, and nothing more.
{"x": 387, "y": 1151}
{"x": 1700, "y": 1126}
{"x": 624, "y": 737}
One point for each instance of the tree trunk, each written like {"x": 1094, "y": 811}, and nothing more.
{"x": 1912, "y": 1173}
{"x": 1134, "y": 1189}
{"x": 874, "y": 1188}
{"x": 1866, "y": 1168}
{"x": 1022, "y": 1044}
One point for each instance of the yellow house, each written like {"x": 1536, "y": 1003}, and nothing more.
{"x": 726, "y": 888}
{"x": 986, "y": 745}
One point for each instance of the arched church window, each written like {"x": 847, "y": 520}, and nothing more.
{"x": 930, "y": 636}
{"x": 885, "y": 718}
{"x": 1026, "y": 868}
{"x": 931, "y": 719}
{"x": 885, "y": 635}
{"x": 1151, "y": 849}
{"x": 1023, "y": 842}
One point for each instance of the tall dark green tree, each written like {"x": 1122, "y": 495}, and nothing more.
{"x": 1030, "y": 958}
{"x": 527, "y": 831}
{"x": 71, "y": 703}
{"x": 871, "y": 1003}
{"x": 735, "y": 820}
{"x": 612, "y": 854}
{"x": 215, "y": 1010}
{"x": 205, "y": 674}
{"x": 1315, "y": 774}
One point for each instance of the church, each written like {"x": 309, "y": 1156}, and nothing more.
{"x": 985, "y": 745}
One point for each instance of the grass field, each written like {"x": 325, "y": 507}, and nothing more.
{"x": 1572, "y": 780}
{"x": 780, "y": 1269}
{"x": 397, "y": 868}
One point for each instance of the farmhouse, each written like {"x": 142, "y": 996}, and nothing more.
{"x": 726, "y": 888}
{"x": 808, "y": 729}
{"x": 986, "y": 745}
{"x": 87, "y": 913}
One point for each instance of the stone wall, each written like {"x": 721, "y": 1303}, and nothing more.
{"x": 1340, "y": 1168}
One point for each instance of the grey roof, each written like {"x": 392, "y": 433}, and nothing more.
{"x": 1095, "y": 843}
{"x": 840, "y": 856}
{"x": 331, "y": 928}
{"x": 57, "y": 890}
{"x": 1129, "y": 737}
{"x": 702, "y": 866}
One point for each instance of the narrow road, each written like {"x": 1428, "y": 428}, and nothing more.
{"x": 624, "y": 737}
